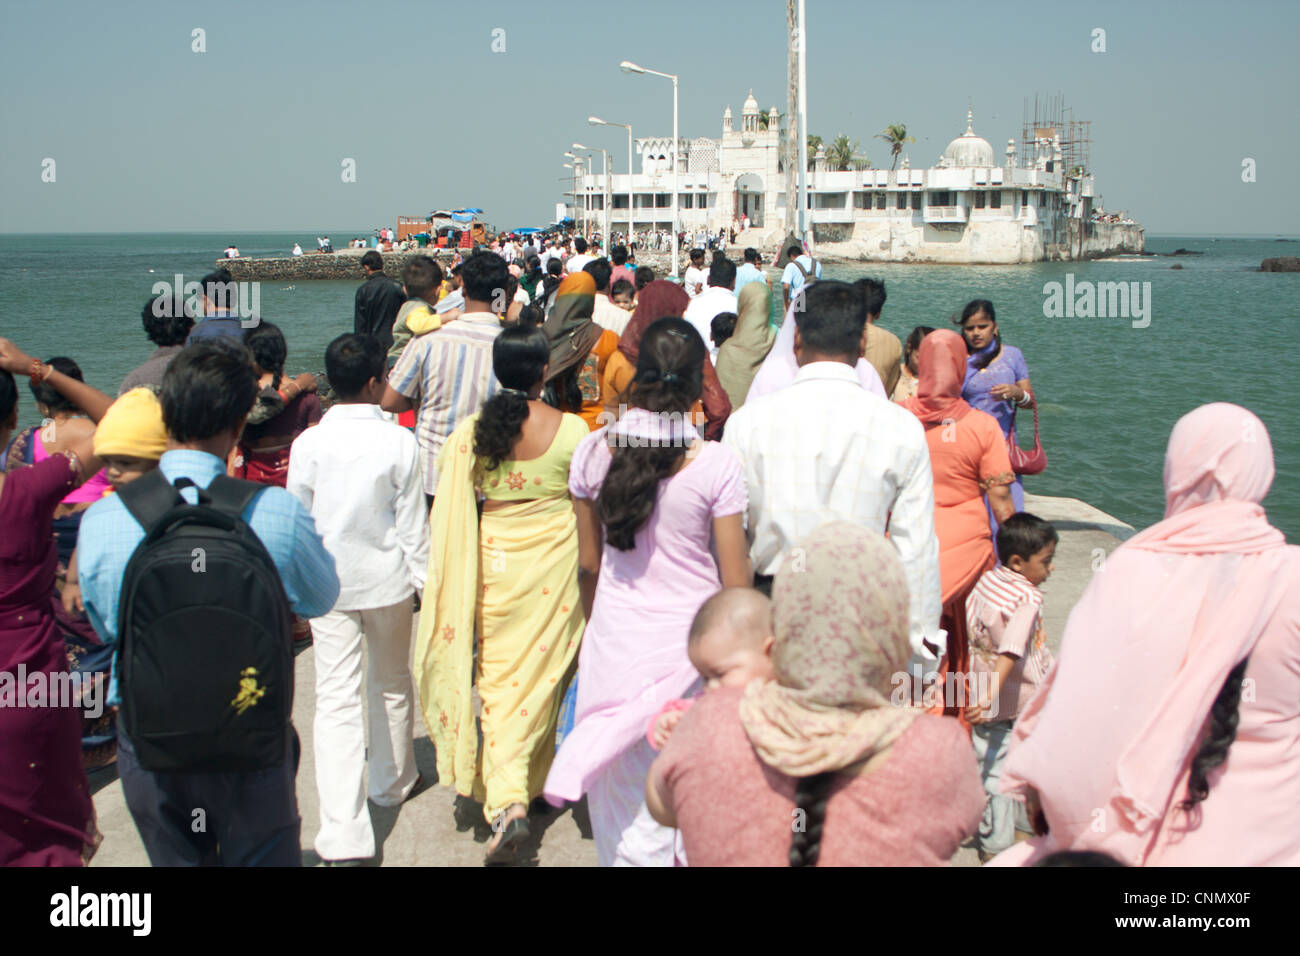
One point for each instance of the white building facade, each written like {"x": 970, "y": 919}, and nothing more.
{"x": 970, "y": 207}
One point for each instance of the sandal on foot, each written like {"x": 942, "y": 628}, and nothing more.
{"x": 513, "y": 834}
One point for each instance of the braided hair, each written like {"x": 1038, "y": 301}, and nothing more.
{"x": 1225, "y": 714}
{"x": 669, "y": 378}
{"x": 519, "y": 356}
{"x": 810, "y": 797}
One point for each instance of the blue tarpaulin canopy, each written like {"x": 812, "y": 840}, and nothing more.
{"x": 462, "y": 217}
{"x": 525, "y": 231}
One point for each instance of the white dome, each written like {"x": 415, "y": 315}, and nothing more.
{"x": 969, "y": 149}
{"x": 751, "y": 104}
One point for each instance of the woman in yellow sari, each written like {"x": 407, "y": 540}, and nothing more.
{"x": 508, "y": 579}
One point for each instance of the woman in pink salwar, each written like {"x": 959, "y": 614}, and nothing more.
{"x": 1190, "y": 630}
{"x": 655, "y": 504}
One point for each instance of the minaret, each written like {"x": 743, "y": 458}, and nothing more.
{"x": 749, "y": 119}
{"x": 726, "y": 121}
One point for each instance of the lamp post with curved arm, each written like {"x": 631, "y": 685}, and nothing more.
{"x": 604, "y": 191}
{"x": 597, "y": 121}
{"x": 629, "y": 67}
{"x": 580, "y": 162}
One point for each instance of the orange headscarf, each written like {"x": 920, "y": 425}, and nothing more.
{"x": 942, "y": 364}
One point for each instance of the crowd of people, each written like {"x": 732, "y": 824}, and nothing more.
{"x": 770, "y": 584}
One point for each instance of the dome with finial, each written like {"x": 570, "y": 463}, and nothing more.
{"x": 751, "y": 104}
{"x": 969, "y": 149}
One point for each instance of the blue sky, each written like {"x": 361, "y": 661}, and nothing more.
{"x": 250, "y": 135}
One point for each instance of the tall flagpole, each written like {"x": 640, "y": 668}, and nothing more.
{"x": 790, "y": 154}
{"x": 805, "y": 232}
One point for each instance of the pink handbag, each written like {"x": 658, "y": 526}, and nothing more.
{"x": 1026, "y": 462}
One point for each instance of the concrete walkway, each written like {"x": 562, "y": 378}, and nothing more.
{"x": 423, "y": 831}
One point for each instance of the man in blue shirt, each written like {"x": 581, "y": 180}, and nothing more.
{"x": 750, "y": 271}
{"x": 220, "y": 310}
{"x": 798, "y": 270}
{"x": 248, "y": 819}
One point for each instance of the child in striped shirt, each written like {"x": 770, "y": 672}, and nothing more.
{"x": 1004, "y": 617}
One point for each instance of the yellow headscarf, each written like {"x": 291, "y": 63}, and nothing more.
{"x": 132, "y": 427}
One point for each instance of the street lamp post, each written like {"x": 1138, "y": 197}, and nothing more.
{"x": 574, "y": 167}
{"x": 628, "y": 67}
{"x": 604, "y": 192}
{"x": 586, "y": 194}
{"x": 597, "y": 121}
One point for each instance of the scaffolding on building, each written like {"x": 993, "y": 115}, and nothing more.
{"x": 1052, "y": 118}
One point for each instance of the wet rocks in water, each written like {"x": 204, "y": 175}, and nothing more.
{"x": 1186, "y": 252}
{"x": 1178, "y": 266}
{"x": 1281, "y": 264}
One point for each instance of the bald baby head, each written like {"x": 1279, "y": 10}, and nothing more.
{"x": 731, "y": 638}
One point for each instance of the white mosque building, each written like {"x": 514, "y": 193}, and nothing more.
{"x": 970, "y": 207}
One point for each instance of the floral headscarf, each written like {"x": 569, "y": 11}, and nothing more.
{"x": 841, "y": 617}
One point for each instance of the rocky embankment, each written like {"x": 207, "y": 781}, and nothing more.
{"x": 1280, "y": 264}
{"x": 344, "y": 264}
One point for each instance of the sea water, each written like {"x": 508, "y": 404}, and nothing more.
{"x": 1110, "y": 389}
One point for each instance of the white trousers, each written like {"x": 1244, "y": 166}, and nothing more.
{"x": 340, "y": 733}
{"x": 624, "y": 832}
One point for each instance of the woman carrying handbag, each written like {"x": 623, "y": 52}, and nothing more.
{"x": 997, "y": 382}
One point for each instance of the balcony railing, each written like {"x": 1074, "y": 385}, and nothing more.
{"x": 945, "y": 214}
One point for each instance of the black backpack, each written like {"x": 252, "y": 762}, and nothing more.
{"x": 206, "y": 664}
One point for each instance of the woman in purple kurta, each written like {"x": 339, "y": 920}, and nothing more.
{"x": 46, "y": 814}
{"x": 997, "y": 378}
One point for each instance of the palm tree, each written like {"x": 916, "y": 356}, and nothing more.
{"x": 842, "y": 152}
{"x": 895, "y": 135}
{"x": 814, "y": 144}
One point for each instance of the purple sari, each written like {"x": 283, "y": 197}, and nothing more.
{"x": 1007, "y": 369}
{"x": 46, "y": 814}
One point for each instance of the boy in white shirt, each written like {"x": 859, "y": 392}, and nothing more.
{"x": 359, "y": 476}
{"x": 696, "y": 276}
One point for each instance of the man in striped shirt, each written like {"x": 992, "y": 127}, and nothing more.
{"x": 447, "y": 374}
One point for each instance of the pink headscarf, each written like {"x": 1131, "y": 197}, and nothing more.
{"x": 941, "y": 361}
{"x": 1108, "y": 740}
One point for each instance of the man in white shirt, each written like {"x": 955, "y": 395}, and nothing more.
{"x": 824, "y": 449}
{"x": 718, "y": 297}
{"x": 359, "y": 476}
{"x": 580, "y": 257}
{"x": 798, "y": 270}
{"x": 696, "y": 277}
{"x": 297, "y": 249}
{"x": 605, "y": 313}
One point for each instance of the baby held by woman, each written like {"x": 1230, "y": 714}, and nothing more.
{"x": 730, "y": 644}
